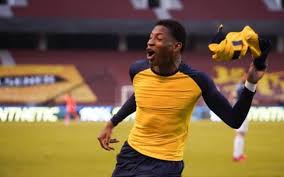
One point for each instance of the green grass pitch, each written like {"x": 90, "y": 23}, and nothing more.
{"x": 56, "y": 150}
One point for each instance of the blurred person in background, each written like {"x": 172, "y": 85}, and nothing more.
{"x": 70, "y": 108}
{"x": 165, "y": 93}
{"x": 239, "y": 140}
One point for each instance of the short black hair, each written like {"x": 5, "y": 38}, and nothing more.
{"x": 176, "y": 29}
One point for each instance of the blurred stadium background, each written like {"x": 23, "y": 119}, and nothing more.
{"x": 50, "y": 48}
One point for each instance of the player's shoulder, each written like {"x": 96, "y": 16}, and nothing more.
{"x": 138, "y": 66}
{"x": 200, "y": 77}
{"x": 141, "y": 63}
{"x": 194, "y": 73}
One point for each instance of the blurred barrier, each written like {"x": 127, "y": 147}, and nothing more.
{"x": 266, "y": 113}
{"x": 41, "y": 84}
{"x": 29, "y": 114}
{"x": 104, "y": 113}
{"x": 261, "y": 114}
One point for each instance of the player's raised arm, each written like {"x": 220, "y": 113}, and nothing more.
{"x": 233, "y": 116}
{"x": 234, "y": 46}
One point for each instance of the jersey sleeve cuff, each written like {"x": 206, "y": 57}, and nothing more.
{"x": 250, "y": 86}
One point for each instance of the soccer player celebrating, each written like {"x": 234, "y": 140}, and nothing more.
{"x": 165, "y": 93}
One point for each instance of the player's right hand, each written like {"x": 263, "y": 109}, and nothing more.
{"x": 105, "y": 137}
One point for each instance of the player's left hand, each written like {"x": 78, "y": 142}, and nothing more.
{"x": 254, "y": 75}
{"x": 260, "y": 62}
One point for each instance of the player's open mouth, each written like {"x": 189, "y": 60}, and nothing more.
{"x": 150, "y": 54}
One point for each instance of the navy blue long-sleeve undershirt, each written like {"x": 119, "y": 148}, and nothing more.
{"x": 231, "y": 115}
{"x": 127, "y": 108}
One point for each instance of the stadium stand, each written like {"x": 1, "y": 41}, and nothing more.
{"x": 191, "y": 10}
{"x": 102, "y": 38}
{"x": 224, "y": 10}
{"x": 86, "y": 9}
{"x": 106, "y": 72}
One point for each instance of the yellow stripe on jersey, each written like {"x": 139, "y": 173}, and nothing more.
{"x": 164, "y": 107}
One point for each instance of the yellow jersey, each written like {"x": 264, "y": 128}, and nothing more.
{"x": 164, "y": 105}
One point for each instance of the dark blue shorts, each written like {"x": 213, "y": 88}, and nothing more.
{"x": 131, "y": 163}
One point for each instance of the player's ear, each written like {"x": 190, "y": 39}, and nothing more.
{"x": 178, "y": 46}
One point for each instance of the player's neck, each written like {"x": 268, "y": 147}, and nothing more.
{"x": 167, "y": 69}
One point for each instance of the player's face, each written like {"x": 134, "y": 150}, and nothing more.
{"x": 161, "y": 47}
